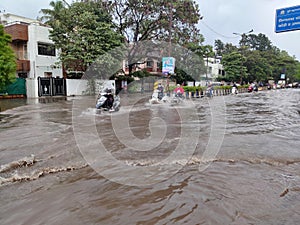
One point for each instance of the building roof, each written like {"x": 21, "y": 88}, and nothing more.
{"x": 8, "y": 18}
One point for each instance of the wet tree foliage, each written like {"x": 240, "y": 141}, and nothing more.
{"x": 7, "y": 60}
{"x": 256, "y": 59}
{"x": 85, "y": 30}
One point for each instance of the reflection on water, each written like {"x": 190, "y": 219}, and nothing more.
{"x": 6, "y": 104}
{"x": 254, "y": 178}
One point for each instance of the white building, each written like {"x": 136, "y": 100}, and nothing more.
{"x": 36, "y": 54}
{"x": 214, "y": 68}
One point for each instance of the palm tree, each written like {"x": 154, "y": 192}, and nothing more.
{"x": 52, "y": 16}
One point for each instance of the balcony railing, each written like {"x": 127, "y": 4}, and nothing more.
{"x": 18, "y": 32}
{"x": 22, "y": 55}
{"x": 23, "y": 65}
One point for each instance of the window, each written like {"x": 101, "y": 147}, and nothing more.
{"x": 149, "y": 64}
{"x": 22, "y": 75}
{"x": 221, "y": 72}
{"x": 209, "y": 69}
{"x": 47, "y": 74}
{"x": 46, "y": 49}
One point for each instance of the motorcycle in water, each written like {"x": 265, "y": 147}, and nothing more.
{"x": 252, "y": 88}
{"x": 210, "y": 92}
{"x": 234, "y": 90}
{"x": 177, "y": 98}
{"x": 158, "y": 98}
{"x": 108, "y": 102}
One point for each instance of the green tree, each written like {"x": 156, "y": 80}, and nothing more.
{"x": 8, "y": 64}
{"x": 204, "y": 52}
{"x": 168, "y": 21}
{"x": 54, "y": 16}
{"x": 256, "y": 42}
{"x": 157, "y": 20}
{"x": 235, "y": 70}
{"x": 297, "y": 74}
{"x": 286, "y": 65}
{"x": 83, "y": 31}
{"x": 220, "y": 47}
{"x": 229, "y": 48}
{"x": 182, "y": 77}
{"x": 258, "y": 67}
{"x": 259, "y": 60}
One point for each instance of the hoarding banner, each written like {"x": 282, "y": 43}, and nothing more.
{"x": 168, "y": 65}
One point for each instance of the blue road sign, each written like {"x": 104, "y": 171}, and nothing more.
{"x": 287, "y": 19}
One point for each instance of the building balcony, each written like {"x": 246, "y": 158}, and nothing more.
{"x": 23, "y": 65}
{"x": 18, "y": 32}
{"x": 149, "y": 69}
{"x": 22, "y": 55}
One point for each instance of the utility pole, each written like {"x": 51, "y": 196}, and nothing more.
{"x": 170, "y": 28}
{"x": 206, "y": 78}
{"x": 170, "y": 43}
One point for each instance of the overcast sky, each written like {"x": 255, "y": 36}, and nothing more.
{"x": 221, "y": 18}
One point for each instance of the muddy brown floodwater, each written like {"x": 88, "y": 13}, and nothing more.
{"x": 64, "y": 163}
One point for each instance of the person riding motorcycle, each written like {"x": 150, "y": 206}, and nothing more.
{"x": 234, "y": 89}
{"x": 110, "y": 98}
{"x": 160, "y": 90}
{"x": 178, "y": 91}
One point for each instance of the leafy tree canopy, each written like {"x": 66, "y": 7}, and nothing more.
{"x": 7, "y": 60}
{"x": 169, "y": 22}
{"x": 234, "y": 68}
{"x": 157, "y": 20}
{"x": 263, "y": 61}
{"x": 83, "y": 31}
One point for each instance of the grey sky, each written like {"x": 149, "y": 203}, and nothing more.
{"x": 220, "y": 19}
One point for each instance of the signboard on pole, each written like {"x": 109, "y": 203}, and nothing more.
{"x": 287, "y": 19}
{"x": 168, "y": 65}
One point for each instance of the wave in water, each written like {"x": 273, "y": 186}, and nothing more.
{"x": 15, "y": 176}
{"x": 26, "y": 161}
{"x": 198, "y": 160}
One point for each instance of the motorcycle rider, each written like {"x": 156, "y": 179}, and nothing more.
{"x": 210, "y": 91}
{"x": 253, "y": 87}
{"x": 234, "y": 89}
{"x": 110, "y": 98}
{"x": 178, "y": 91}
{"x": 160, "y": 89}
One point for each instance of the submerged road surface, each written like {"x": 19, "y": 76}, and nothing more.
{"x": 231, "y": 160}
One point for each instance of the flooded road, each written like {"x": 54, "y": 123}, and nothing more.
{"x": 64, "y": 163}
{"x": 6, "y": 104}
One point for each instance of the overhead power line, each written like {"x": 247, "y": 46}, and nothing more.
{"x": 222, "y": 35}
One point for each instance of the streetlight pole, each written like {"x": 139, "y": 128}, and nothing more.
{"x": 206, "y": 78}
{"x": 250, "y": 31}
